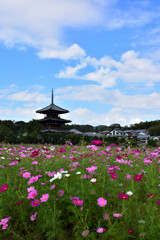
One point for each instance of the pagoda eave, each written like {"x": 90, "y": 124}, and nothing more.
{"x": 55, "y": 120}
{"x": 52, "y": 107}
{"x": 54, "y": 130}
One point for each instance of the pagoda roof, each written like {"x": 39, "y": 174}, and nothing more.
{"x": 52, "y": 107}
{"x": 55, "y": 119}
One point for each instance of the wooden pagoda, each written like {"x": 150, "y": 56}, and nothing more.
{"x": 52, "y": 122}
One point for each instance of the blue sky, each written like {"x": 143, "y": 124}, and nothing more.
{"x": 101, "y": 57}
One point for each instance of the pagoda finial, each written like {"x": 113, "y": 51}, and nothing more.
{"x": 52, "y": 95}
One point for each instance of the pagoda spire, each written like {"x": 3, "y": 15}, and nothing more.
{"x": 52, "y": 95}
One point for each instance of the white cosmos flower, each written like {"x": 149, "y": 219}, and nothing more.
{"x": 58, "y": 175}
{"x": 93, "y": 180}
{"x": 2, "y": 157}
{"x": 52, "y": 148}
{"x": 129, "y": 193}
{"x": 78, "y": 172}
{"x": 120, "y": 184}
{"x": 52, "y": 179}
{"x": 67, "y": 175}
{"x": 64, "y": 171}
{"x": 141, "y": 221}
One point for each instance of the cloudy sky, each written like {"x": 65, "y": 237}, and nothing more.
{"x": 101, "y": 57}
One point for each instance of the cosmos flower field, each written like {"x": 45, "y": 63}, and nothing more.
{"x": 79, "y": 192}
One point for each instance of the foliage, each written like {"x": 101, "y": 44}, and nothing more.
{"x": 152, "y": 143}
{"x": 118, "y": 192}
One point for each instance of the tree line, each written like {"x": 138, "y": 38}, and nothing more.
{"x": 30, "y": 132}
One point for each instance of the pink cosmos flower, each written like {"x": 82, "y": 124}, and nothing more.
{"x": 30, "y": 189}
{"x": 78, "y": 202}
{"x": 91, "y": 169}
{"x": 100, "y": 230}
{"x": 117, "y": 215}
{"x": 35, "y": 162}
{"x": 33, "y": 217}
{"x": 74, "y": 198}
{"x": 35, "y": 203}
{"x": 4, "y": 221}
{"x": 102, "y": 202}
{"x": 5, "y": 226}
{"x": 150, "y": 195}
{"x": 11, "y": 164}
{"x": 74, "y": 164}
{"x": 85, "y": 233}
{"x": 128, "y": 177}
{"x": 33, "y": 179}
{"x": 53, "y": 186}
{"x": 4, "y": 188}
{"x": 105, "y": 216}
{"x": 32, "y": 194}
{"x": 44, "y": 197}
{"x": 60, "y": 193}
{"x": 123, "y": 196}
{"x": 42, "y": 183}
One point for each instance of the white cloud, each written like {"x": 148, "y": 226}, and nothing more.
{"x": 42, "y": 24}
{"x": 19, "y": 113}
{"x": 110, "y": 97}
{"x": 130, "y": 68}
{"x": 72, "y": 52}
{"x": 115, "y": 115}
{"x": 27, "y": 96}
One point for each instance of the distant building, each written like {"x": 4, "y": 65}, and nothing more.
{"x": 75, "y": 131}
{"x": 52, "y": 122}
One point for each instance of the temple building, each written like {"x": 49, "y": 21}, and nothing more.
{"x": 52, "y": 122}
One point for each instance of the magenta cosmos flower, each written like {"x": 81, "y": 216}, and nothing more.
{"x": 130, "y": 231}
{"x": 44, "y": 197}
{"x": 19, "y": 202}
{"x": 138, "y": 178}
{"x": 4, "y": 188}
{"x": 97, "y": 142}
{"x": 78, "y": 202}
{"x": 123, "y": 196}
{"x": 35, "y": 203}
{"x": 102, "y": 202}
{"x": 114, "y": 176}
